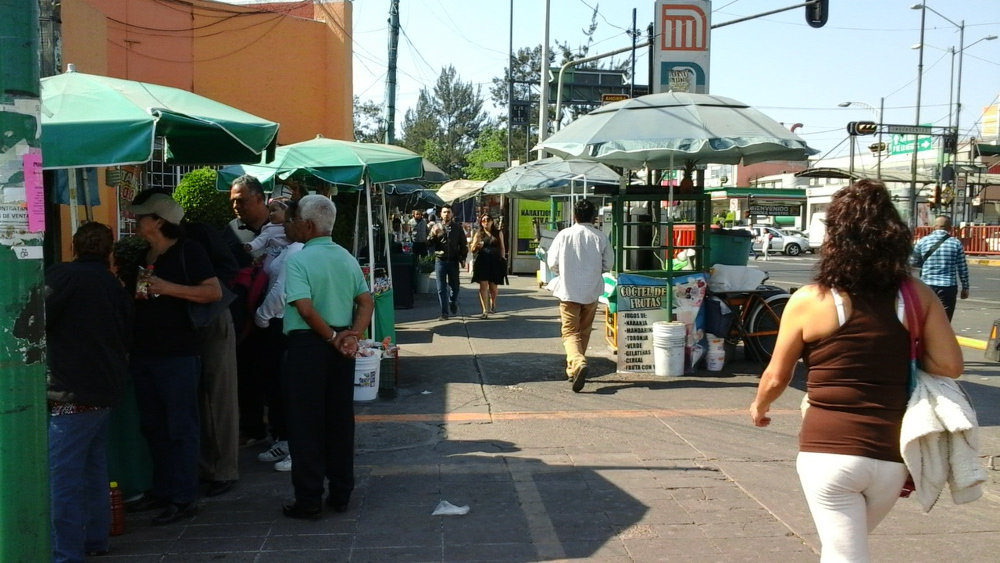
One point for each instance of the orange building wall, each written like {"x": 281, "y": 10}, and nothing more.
{"x": 285, "y": 68}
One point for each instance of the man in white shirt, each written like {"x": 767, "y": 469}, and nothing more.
{"x": 579, "y": 256}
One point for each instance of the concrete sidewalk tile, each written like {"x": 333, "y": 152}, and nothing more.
{"x": 415, "y": 554}
{"x": 397, "y": 537}
{"x": 204, "y": 531}
{"x": 755, "y": 529}
{"x": 499, "y": 552}
{"x": 238, "y": 557}
{"x": 217, "y": 545}
{"x": 669, "y": 530}
{"x": 735, "y": 515}
{"x": 315, "y": 541}
{"x": 683, "y": 549}
{"x": 304, "y": 556}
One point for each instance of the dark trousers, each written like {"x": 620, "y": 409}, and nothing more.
{"x": 250, "y": 364}
{"x": 948, "y": 296}
{"x": 273, "y": 360}
{"x": 319, "y": 393}
{"x": 166, "y": 390}
{"x": 447, "y": 276}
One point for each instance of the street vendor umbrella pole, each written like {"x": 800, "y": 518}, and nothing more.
{"x": 371, "y": 248}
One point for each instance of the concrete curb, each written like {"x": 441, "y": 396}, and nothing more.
{"x": 983, "y": 261}
{"x": 971, "y": 343}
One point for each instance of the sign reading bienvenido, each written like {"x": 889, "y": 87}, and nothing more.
{"x": 682, "y": 32}
{"x": 775, "y": 210}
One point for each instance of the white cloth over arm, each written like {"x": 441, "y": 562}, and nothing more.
{"x": 939, "y": 442}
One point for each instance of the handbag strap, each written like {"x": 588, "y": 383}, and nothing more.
{"x": 915, "y": 323}
{"x": 914, "y": 317}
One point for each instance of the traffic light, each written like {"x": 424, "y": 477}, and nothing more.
{"x": 877, "y": 147}
{"x": 817, "y": 12}
{"x": 950, "y": 143}
{"x": 862, "y": 128}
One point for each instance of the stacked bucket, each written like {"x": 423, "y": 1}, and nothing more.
{"x": 669, "y": 342}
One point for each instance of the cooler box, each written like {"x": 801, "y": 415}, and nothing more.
{"x": 730, "y": 247}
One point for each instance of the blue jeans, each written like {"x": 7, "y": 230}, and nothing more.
{"x": 78, "y": 484}
{"x": 447, "y": 275}
{"x": 166, "y": 389}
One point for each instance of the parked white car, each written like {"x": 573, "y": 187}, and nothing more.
{"x": 790, "y": 245}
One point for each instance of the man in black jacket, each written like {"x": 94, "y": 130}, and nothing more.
{"x": 447, "y": 240}
{"x": 88, "y": 328}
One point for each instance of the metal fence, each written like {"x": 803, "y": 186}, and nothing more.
{"x": 975, "y": 240}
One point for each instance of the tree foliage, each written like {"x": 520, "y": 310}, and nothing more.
{"x": 525, "y": 70}
{"x": 445, "y": 123}
{"x": 491, "y": 146}
{"x": 202, "y": 203}
{"x": 369, "y": 122}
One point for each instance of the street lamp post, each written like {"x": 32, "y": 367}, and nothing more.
{"x": 956, "y": 127}
{"x": 912, "y": 203}
{"x": 878, "y": 118}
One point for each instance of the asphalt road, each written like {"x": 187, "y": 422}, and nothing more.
{"x": 974, "y": 317}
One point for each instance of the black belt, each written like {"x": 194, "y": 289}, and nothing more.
{"x": 304, "y": 331}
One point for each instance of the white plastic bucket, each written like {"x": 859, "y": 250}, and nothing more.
{"x": 715, "y": 361}
{"x": 715, "y": 343}
{"x": 366, "y": 369}
{"x": 669, "y": 340}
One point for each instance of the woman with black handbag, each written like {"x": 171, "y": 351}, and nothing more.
{"x": 490, "y": 267}
{"x": 850, "y": 329}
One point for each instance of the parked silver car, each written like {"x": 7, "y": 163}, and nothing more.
{"x": 790, "y": 245}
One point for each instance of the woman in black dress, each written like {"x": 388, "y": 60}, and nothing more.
{"x": 490, "y": 267}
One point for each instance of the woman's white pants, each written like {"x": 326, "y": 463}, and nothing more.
{"x": 848, "y": 496}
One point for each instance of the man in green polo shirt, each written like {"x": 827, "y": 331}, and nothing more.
{"x": 329, "y": 308}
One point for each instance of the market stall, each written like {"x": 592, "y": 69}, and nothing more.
{"x": 664, "y": 221}
{"x": 95, "y": 121}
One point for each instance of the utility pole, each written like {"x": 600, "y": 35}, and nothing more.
{"x": 543, "y": 95}
{"x": 24, "y": 490}
{"x": 390, "y": 80}
{"x": 510, "y": 85}
{"x": 634, "y": 33}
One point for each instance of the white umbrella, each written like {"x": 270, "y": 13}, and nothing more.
{"x": 547, "y": 177}
{"x": 657, "y": 130}
{"x": 460, "y": 190}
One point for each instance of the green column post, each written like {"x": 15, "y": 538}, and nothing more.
{"x": 24, "y": 491}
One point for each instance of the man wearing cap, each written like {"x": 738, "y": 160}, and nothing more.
{"x": 165, "y": 364}
{"x": 941, "y": 258}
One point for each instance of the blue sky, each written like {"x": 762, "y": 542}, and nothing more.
{"x": 778, "y": 64}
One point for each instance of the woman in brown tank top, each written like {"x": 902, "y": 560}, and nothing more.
{"x": 847, "y": 329}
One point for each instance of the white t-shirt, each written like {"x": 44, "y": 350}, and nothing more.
{"x": 579, "y": 256}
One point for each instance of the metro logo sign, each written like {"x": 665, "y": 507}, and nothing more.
{"x": 683, "y": 39}
{"x": 683, "y": 27}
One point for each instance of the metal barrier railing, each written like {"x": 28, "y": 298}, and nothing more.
{"x": 980, "y": 240}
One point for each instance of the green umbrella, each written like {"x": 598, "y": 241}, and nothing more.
{"x": 90, "y": 120}
{"x": 345, "y": 163}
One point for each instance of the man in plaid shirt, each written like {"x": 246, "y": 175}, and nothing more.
{"x": 942, "y": 263}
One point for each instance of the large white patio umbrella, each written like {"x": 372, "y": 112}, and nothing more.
{"x": 658, "y": 130}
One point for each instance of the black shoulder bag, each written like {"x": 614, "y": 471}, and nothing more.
{"x": 202, "y": 314}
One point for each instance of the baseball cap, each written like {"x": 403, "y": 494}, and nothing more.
{"x": 161, "y": 205}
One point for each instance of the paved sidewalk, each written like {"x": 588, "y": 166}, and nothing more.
{"x": 634, "y": 468}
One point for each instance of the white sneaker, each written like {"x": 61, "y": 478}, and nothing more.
{"x": 284, "y": 465}
{"x": 278, "y": 452}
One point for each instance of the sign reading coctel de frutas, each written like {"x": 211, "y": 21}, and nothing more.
{"x": 681, "y": 38}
